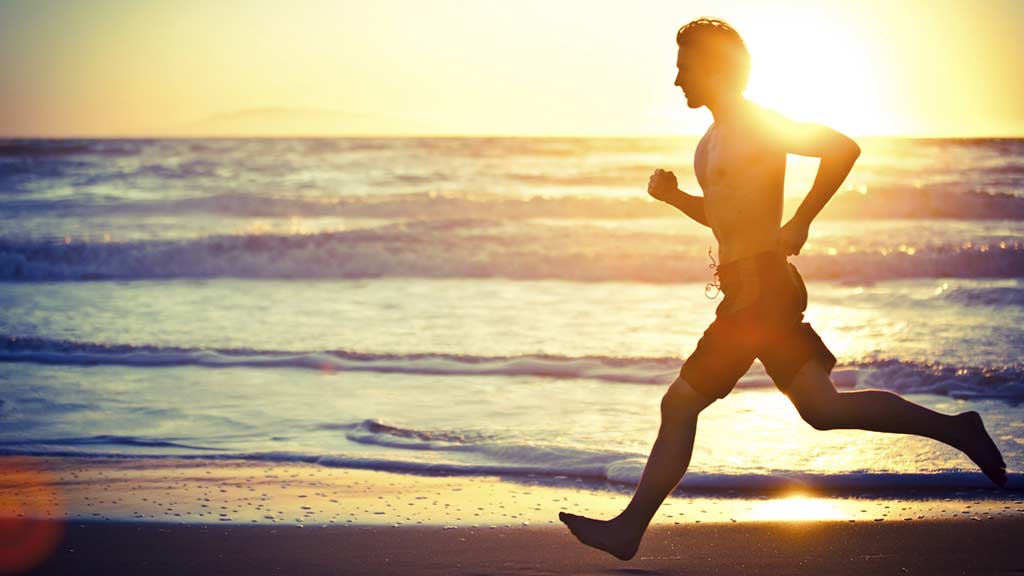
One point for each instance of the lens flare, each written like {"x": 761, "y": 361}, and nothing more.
{"x": 30, "y": 525}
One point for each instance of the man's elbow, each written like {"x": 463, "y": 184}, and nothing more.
{"x": 844, "y": 149}
{"x": 850, "y": 149}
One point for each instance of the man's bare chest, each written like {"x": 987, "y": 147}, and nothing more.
{"x": 728, "y": 162}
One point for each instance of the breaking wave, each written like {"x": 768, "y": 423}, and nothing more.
{"x": 1004, "y": 383}
{"x": 474, "y": 248}
{"x": 903, "y": 202}
{"x": 476, "y": 456}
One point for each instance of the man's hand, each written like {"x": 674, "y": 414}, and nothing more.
{"x": 662, "y": 185}
{"x": 792, "y": 237}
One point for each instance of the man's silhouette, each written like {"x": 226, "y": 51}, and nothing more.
{"x": 740, "y": 165}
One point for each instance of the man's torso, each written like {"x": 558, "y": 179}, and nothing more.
{"x": 742, "y": 177}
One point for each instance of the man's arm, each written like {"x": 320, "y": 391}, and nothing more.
{"x": 662, "y": 186}
{"x": 692, "y": 206}
{"x": 837, "y": 152}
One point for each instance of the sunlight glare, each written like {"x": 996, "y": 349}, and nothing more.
{"x": 822, "y": 73}
{"x": 795, "y": 508}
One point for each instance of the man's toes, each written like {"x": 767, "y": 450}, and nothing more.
{"x": 570, "y": 520}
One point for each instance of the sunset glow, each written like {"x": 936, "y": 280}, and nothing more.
{"x": 518, "y": 286}
{"x": 490, "y": 67}
{"x": 796, "y": 508}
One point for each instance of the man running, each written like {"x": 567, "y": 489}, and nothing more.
{"x": 740, "y": 165}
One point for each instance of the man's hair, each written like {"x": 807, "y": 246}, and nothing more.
{"x": 719, "y": 43}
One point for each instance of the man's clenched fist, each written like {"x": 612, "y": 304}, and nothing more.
{"x": 662, "y": 185}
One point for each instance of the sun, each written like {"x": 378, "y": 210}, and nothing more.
{"x": 816, "y": 69}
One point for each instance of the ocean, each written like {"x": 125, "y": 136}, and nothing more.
{"x": 481, "y": 306}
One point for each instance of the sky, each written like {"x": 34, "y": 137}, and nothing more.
{"x": 489, "y": 67}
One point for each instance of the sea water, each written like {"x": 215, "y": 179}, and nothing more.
{"x": 483, "y": 306}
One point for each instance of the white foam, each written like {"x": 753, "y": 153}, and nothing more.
{"x": 466, "y": 248}
{"x": 1004, "y": 383}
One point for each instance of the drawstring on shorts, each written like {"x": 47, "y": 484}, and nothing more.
{"x": 716, "y": 285}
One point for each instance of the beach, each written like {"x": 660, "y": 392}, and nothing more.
{"x": 261, "y": 354}
{"x": 164, "y": 517}
{"x": 490, "y": 288}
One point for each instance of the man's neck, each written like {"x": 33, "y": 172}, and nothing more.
{"x": 726, "y": 109}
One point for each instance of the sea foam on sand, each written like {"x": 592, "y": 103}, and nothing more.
{"x": 241, "y": 492}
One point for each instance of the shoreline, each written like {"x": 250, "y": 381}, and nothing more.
{"x": 172, "y": 516}
{"x": 190, "y": 491}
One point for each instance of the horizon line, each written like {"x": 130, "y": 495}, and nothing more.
{"x": 293, "y": 136}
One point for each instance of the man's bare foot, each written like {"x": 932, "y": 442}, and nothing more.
{"x": 978, "y": 445}
{"x": 607, "y": 535}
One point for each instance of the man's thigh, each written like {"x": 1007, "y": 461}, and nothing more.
{"x": 787, "y": 349}
{"x": 682, "y": 396}
{"x": 723, "y": 355}
{"x": 811, "y": 386}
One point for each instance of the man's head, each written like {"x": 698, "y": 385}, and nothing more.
{"x": 713, "y": 61}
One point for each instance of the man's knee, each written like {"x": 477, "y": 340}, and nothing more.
{"x": 815, "y": 397}
{"x": 819, "y": 417}
{"x": 682, "y": 400}
{"x": 822, "y": 411}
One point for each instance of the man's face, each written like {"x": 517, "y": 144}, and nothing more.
{"x": 692, "y": 78}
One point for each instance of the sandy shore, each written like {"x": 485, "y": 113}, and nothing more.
{"x": 928, "y": 547}
{"x": 87, "y": 515}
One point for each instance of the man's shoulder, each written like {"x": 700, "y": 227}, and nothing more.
{"x": 770, "y": 126}
{"x": 768, "y": 118}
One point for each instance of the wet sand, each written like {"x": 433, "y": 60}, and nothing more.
{"x": 89, "y": 515}
{"x": 928, "y": 547}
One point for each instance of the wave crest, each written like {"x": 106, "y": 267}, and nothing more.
{"x": 1004, "y": 382}
{"x": 882, "y": 202}
{"x": 474, "y": 248}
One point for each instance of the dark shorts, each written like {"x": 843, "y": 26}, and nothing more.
{"x": 761, "y": 317}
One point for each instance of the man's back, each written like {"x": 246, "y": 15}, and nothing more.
{"x": 742, "y": 173}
